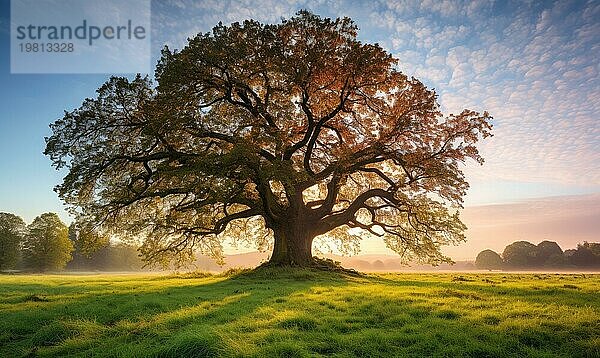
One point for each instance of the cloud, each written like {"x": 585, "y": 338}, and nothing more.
{"x": 533, "y": 66}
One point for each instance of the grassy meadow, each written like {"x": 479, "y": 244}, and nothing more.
{"x": 298, "y": 313}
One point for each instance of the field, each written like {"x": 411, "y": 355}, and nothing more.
{"x": 285, "y": 313}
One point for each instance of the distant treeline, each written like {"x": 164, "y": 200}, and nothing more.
{"x": 111, "y": 257}
{"x": 546, "y": 254}
{"x": 47, "y": 244}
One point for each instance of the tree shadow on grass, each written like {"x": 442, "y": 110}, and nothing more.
{"x": 100, "y": 318}
{"x": 283, "y": 313}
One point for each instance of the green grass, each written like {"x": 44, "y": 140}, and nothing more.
{"x": 287, "y": 313}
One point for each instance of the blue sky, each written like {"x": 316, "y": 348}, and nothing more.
{"x": 533, "y": 65}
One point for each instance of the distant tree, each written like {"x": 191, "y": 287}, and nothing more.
{"x": 394, "y": 264}
{"x": 12, "y": 230}
{"x": 594, "y": 247}
{"x": 286, "y": 132}
{"x": 584, "y": 256}
{"x": 468, "y": 266}
{"x": 361, "y": 264}
{"x": 557, "y": 261}
{"x": 89, "y": 248}
{"x": 569, "y": 252}
{"x": 520, "y": 254}
{"x": 85, "y": 239}
{"x": 95, "y": 252}
{"x": 46, "y": 245}
{"x": 488, "y": 260}
{"x": 378, "y": 265}
{"x": 123, "y": 257}
{"x": 547, "y": 249}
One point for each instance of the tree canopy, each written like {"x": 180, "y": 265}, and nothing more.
{"x": 547, "y": 254}
{"x": 488, "y": 260}
{"x": 270, "y": 134}
{"x": 46, "y": 245}
{"x": 12, "y": 230}
{"x": 547, "y": 249}
{"x": 520, "y": 254}
{"x": 587, "y": 255}
{"x": 85, "y": 240}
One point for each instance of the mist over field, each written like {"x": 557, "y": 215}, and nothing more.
{"x": 567, "y": 220}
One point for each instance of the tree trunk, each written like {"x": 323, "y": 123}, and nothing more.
{"x": 293, "y": 245}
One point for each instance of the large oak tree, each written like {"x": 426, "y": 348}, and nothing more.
{"x": 290, "y": 131}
